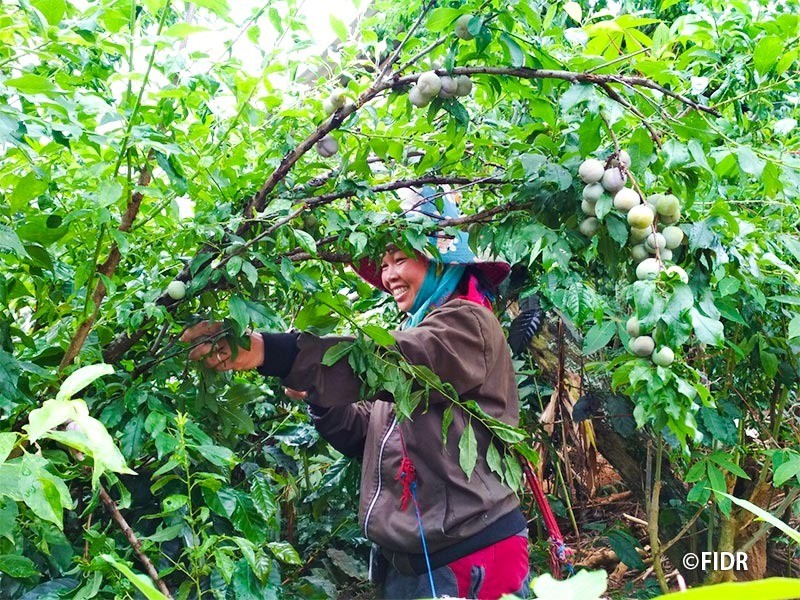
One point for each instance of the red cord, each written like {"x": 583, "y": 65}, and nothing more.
{"x": 406, "y": 474}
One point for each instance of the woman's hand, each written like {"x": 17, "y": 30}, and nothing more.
{"x": 295, "y": 394}
{"x": 217, "y": 354}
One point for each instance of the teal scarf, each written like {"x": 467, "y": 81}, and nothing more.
{"x": 439, "y": 284}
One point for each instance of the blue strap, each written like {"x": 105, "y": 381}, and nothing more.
{"x": 422, "y": 537}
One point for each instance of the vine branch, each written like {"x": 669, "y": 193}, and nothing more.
{"x": 113, "y": 510}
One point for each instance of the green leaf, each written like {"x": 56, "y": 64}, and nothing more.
{"x": 707, "y": 330}
{"x": 787, "y": 470}
{"x": 31, "y": 84}
{"x": 339, "y": 28}
{"x": 716, "y": 479}
{"x": 773, "y": 588}
{"x": 749, "y": 162}
{"x": 793, "y": 330}
{"x": 7, "y": 442}
{"x": 285, "y": 553}
{"x": 81, "y": 378}
{"x": 624, "y": 545}
{"x": 726, "y": 463}
{"x": 767, "y": 51}
{"x": 336, "y": 353}
{"x": 9, "y": 240}
{"x": 45, "y": 494}
{"x": 768, "y": 517}
{"x": 467, "y": 451}
{"x": 263, "y": 498}
{"x": 494, "y": 460}
{"x": 218, "y": 7}
{"x": 166, "y": 534}
{"x": 17, "y": 566}
{"x": 515, "y": 53}
{"x": 52, "y": 414}
{"x": 182, "y": 31}
{"x": 379, "y": 335}
{"x": 239, "y": 314}
{"x": 447, "y": 420}
{"x": 598, "y": 336}
{"x": 143, "y": 583}
{"x": 52, "y": 10}
{"x": 441, "y": 18}
{"x": 27, "y": 189}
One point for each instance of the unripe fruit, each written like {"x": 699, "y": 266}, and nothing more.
{"x": 640, "y": 234}
{"x": 668, "y": 205}
{"x": 624, "y": 158}
{"x": 588, "y": 208}
{"x": 327, "y": 146}
{"x": 632, "y": 327}
{"x": 639, "y": 253}
{"x": 670, "y": 219}
{"x": 333, "y": 102}
{"x": 464, "y": 85}
{"x": 449, "y": 87}
{"x": 461, "y": 27}
{"x": 417, "y": 98}
{"x": 666, "y": 254}
{"x": 591, "y": 171}
{"x": 176, "y": 290}
{"x": 642, "y": 345}
{"x": 613, "y": 179}
{"x": 589, "y": 227}
{"x": 429, "y": 84}
{"x": 640, "y": 216}
{"x": 676, "y": 270}
{"x": 626, "y": 199}
{"x": 653, "y": 241}
{"x": 663, "y": 357}
{"x": 593, "y": 192}
{"x": 647, "y": 269}
{"x": 673, "y": 235}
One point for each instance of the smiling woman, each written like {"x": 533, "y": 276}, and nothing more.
{"x": 403, "y": 276}
{"x": 465, "y": 536}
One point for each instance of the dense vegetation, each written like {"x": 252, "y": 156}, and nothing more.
{"x": 128, "y": 161}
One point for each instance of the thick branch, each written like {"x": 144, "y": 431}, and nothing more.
{"x": 405, "y": 183}
{"x": 112, "y": 509}
{"x": 107, "y": 269}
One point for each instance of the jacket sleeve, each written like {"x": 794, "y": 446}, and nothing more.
{"x": 451, "y": 341}
{"x": 343, "y": 427}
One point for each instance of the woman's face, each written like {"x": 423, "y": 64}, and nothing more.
{"x": 403, "y": 276}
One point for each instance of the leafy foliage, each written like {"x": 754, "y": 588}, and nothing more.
{"x": 130, "y": 158}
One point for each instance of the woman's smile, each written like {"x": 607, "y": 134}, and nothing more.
{"x": 403, "y": 277}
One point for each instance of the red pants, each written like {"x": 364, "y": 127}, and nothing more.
{"x": 499, "y": 569}
{"x": 487, "y": 574}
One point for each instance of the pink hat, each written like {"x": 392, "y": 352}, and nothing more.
{"x": 452, "y": 251}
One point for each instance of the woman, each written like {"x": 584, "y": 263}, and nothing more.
{"x": 438, "y": 533}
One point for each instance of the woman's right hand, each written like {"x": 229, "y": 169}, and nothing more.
{"x": 218, "y": 354}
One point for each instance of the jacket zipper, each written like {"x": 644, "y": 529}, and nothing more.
{"x": 380, "y": 461}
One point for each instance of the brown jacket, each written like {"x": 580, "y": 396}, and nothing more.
{"x": 464, "y": 345}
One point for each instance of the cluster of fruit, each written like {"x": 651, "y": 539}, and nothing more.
{"x": 430, "y": 85}
{"x": 654, "y": 237}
